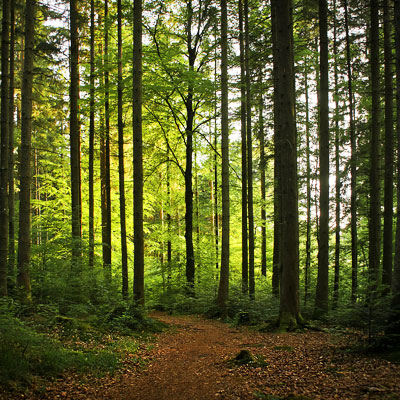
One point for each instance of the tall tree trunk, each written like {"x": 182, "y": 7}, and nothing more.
{"x": 307, "y": 268}
{"x": 91, "y": 136}
{"x": 223, "y": 290}
{"x": 262, "y": 179}
{"x": 321, "y": 298}
{"x": 169, "y": 222}
{"x": 276, "y": 268}
{"x": 107, "y": 243}
{"x": 245, "y": 255}
{"x": 353, "y": 165}
{"x": 289, "y": 313}
{"x": 138, "y": 278}
{"x": 75, "y": 135}
{"x": 337, "y": 169}
{"x": 387, "y": 260}
{"x": 24, "y": 233}
{"x": 121, "y": 168}
{"x": 375, "y": 200}
{"x": 395, "y": 304}
{"x": 4, "y": 127}
{"x": 190, "y": 263}
{"x": 249, "y": 152}
{"x": 11, "y": 208}
{"x": 216, "y": 219}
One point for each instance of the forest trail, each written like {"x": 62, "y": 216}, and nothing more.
{"x": 190, "y": 361}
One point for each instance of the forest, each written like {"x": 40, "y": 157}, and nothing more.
{"x": 234, "y": 159}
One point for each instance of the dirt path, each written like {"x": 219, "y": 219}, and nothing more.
{"x": 189, "y": 362}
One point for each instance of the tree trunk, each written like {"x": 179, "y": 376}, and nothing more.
{"x": 121, "y": 168}
{"x": 75, "y": 136}
{"x": 11, "y": 208}
{"x": 321, "y": 298}
{"x": 262, "y": 179}
{"x": 223, "y": 290}
{"x": 276, "y": 268}
{"x": 91, "y": 136}
{"x": 245, "y": 265}
{"x": 337, "y": 170}
{"x": 249, "y": 153}
{"x": 24, "y": 233}
{"x": 353, "y": 165}
{"x": 375, "y": 200}
{"x": 4, "y": 127}
{"x": 138, "y": 279}
{"x": 289, "y": 314}
{"x": 387, "y": 260}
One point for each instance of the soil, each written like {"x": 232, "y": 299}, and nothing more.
{"x": 194, "y": 360}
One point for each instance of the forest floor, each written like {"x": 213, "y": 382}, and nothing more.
{"x": 193, "y": 360}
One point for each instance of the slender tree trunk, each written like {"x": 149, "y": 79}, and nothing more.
{"x": 169, "y": 222}
{"x": 387, "y": 260}
{"x": 216, "y": 219}
{"x": 249, "y": 153}
{"x": 375, "y": 200}
{"x": 107, "y": 243}
{"x": 138, "y": 279}
{"x": 11, "y": 208}
{"x": 308, "y": 222}
{"x": 4, "y": 128}
{"x": 91, "y": 136}
{"x": 353, "y": 165}
{"x": 337, "y": 170}
{"x": 75, "y": 135}
{"x": 190, "y": 262}
{"x": 321, "y": 298}
{"x": 276, "y": 268}
{"x": 121, "y": 168}
{"x": 223, "y": 290}
{"x": 262, "y": 179}
{"x": 245, "y": 255}
{"x": 395, "y": 304}
{"x": 289, "y": 313}
{"x": 24, "y": 233}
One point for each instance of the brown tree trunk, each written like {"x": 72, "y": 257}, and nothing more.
{"x": 387, "y": 260}
{"x": 375, "y": 199}
{"x": 138, "y": 275}
{"x": 223, "y": 290}
{"x": 321, "y": 298}
{"x": 245, "y": 255}
{"x": 24, "y": 233}
{"x": 4, "y": 128}
{"x": 353, "y": 166}
{"x": 121, "y": 168}
{"x": 75, "y": 135}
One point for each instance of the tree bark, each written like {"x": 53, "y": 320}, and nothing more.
{"x": 387, "y": 260}
{"x": 375, "y": 200}
{"x": 321, "y": 298}
{"x": 4, "y": 128}
{"x": 223, "y": 290}
{"x": 75, "y": 136}
{"x": 245, "y": 255}
{"x": 353, "y": 165}
{"x": 289, "y": 314}
{"x": 24, "y": 233}
{"x": 138, "y": 278}
{"x": 121, "y": 168}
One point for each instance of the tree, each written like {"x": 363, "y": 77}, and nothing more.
{"x": 223, "y": 291}
{"x": 4, "y": 128}
{"x": 76, "y": 204}
{"x": 121, "y": 169}
{"x": 289, "y": 313}
{"x": 375, "y": 203}
{"x": 387, "y": 260}
{"x": 24, "y": 233}
{"x": 138, "y": 272}
{"x": 321, "y": 298}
